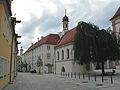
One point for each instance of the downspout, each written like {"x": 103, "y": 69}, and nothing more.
{"x": 11, "y": 57}
{"x": 55, "y": 60}
{"x": 14, "y": 64}
{"x": 13, "y": 22}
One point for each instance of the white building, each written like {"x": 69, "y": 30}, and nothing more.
{"x": 45, "y": 49}
{"x": 57, "y": 53}
{"x": 64, "y": 51}
{"x": 116, "y": 29}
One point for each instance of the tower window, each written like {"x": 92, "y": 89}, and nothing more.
{"x": 66, "y": 25}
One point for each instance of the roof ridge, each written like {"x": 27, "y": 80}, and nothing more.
{"x": 67, "y": 37}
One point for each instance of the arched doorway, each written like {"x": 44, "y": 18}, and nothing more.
{"x": 62, "y": 69}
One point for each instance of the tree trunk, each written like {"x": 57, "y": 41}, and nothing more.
{"x": 103, "y": 70}
{"x": 26, "y": 69}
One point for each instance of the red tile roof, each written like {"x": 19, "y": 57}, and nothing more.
{"x": 68, "y": 37}
{"x": 49, "y": 39}
{"x": 116, "y": 14}
{"x": 55, "y": 39}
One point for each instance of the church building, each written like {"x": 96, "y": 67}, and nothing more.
{"x": 65, "y": 53}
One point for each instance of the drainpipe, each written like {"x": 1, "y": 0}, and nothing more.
{"x": 14, "y": 21}
{"x": 11, "y": 57}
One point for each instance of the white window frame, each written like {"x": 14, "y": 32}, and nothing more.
{"x": 48, "y": 55}
{"x": 48, "y": 47}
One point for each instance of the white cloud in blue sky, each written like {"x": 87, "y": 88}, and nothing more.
{"x": 41, "y": 17}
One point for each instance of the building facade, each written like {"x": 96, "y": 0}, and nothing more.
{"x": 8, "y": 43}
{"x": 60, "y": 55}
{"x": 44, "y": 49}
{"x": 116, "y": 29}
{"x": 64, "y": 51}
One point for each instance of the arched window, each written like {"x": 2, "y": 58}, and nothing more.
{"x": 67, "y": 53}
{"x": 57, "y": 55}
{"x": 62, "y": 54}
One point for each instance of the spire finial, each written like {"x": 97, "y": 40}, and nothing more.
{"x": 65, "y": 12}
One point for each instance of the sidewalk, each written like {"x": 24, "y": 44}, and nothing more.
{"x": 28, "y": 81}
{"x": 94, "y": 85}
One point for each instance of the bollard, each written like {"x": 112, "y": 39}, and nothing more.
{"x": 83, "y": 76}
{"x": 71, "y": 74}
{"x": 79, "y": 75}
{"x": 75, "y": 75}
{"x": 88, "y": 76}
{"x": 68, "y": 74}
{"x": 63, "y": 74}
{"x": 111, "y": 79}
{"x": 102, "y": 78}
{"x": 95, "y": 76}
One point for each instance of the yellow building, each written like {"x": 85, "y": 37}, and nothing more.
{"x": 8, "y": 43}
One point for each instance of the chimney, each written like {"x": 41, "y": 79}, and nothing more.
{"x": 42, "y": 37}
{"x": 38, "y": 39}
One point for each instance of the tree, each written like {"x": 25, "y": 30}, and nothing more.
{"x": 39, "y": 63}
{"x": 94, "y": 45}
{"x": 25, "y": 65}
{"x": 84, "y": 44}
{"x": 107, "y": 47}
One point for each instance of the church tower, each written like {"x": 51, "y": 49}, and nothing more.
{"x": 21, "y": 51}
{"x": 65, "y": 21}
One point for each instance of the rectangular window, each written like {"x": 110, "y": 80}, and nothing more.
{"x": 6, "y": 29}
{"x": 0, "y": 67}
{"x": 48, "y": 55}
{"x": 48, "y": 47}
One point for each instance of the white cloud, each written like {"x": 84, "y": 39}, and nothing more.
{"x": 49, "y": 5}
{"x": 41, "y": 17}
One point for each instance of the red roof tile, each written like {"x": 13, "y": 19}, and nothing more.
{"x": 49, "y": 39}
{"x": 68, "y": 37}
{"x": 116, "y": 14}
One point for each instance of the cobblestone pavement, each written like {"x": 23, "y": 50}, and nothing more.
{"x": 28, "y": 81}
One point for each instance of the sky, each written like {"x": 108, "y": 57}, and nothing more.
{"x": 42, "y": 17}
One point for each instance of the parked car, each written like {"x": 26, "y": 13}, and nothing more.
{"x": 33, "y": 71}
